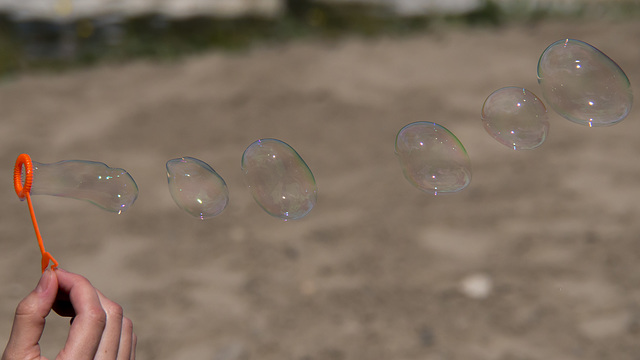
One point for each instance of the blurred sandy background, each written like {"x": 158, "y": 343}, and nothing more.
{"x": 537, "y": 259}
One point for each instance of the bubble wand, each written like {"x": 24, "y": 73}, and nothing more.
{"x": 23, "y": 191}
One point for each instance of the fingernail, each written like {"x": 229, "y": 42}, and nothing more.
{"x": 45, "y": 280}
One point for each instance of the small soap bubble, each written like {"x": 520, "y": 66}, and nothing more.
{"x": 278, "y": 179}
{"x": 516, "y": 118}
{"x": 112, "y": 189}
{"x": 196, "y": 187}
{"x": 432, "y": 158}
{"x": 584, "y": 85}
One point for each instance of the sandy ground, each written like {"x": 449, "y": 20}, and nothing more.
{"x": 375, "y": 271}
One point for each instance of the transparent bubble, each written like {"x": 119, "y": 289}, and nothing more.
{"x": 584, "y": 85}
{"x": 112, "y": 189}
{"x": 516, "y": 118}
{"x": 196, "y": 187}
{"x": 432, "y": 158}
{"x": 279, "y": 180}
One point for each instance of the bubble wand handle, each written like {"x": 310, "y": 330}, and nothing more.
{"x": 23, "y": 191}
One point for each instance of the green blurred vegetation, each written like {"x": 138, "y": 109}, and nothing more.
{"x": 41, "y": 45}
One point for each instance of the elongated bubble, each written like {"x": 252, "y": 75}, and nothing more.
{"x": 196, "y": 187}
{"x": 432, "y": 158}
{"x": 112, "y": 189}
{"x": 278, "y": 179}
{"x": 516, "y": 118}
{"x": 584, "y": 85}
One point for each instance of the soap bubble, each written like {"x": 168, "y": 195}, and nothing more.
{"x": 278, "y": 179}
{"x": 432, "y": 158}
{"x": 516, "y": 118}
{"x": 196, "y": 187}
{"x": 584, "y": 85}
{"x": 112, "y": 189}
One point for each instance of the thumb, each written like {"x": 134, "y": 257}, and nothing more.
{"x": 29, "y": 320}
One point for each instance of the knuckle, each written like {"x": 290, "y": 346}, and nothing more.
{"x": 113, "y": 309}
{"x": 127, "y": 324}
{"x": 97, "y": 315}
{"x": 26, "y": 307}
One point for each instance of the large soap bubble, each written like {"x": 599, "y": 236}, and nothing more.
{"x": 112, "y": 189}
{"x": 196, "y": 187}
{"x": 584, "y": 85}
{"x": 516, "y": 118}
{"x": 432, "y": 158}
{"x": 279, "y": 180}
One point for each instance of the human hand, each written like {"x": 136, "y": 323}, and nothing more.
{"x": 98, "y": 328}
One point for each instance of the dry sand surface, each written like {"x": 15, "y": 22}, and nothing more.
{"x": 377, "y": 269}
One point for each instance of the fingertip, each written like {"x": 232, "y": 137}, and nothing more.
{"x": 59, "y": 270}
{"x": 48, "y": 283}
{"x": 66, "y": 279}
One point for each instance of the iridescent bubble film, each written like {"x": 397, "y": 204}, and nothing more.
{"x": 584, "y": 85}
{"x": 196, "y": 187}
{"x": 278, "y": 179}
{"x": 112, "y": 189}
{"x": 516, "y": 118}
{"x": 432, "y": 158}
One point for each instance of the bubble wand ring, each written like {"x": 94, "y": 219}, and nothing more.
{"x": 24, "y": 192}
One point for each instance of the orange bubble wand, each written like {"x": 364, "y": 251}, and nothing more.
{"x": 23, "y": 191}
